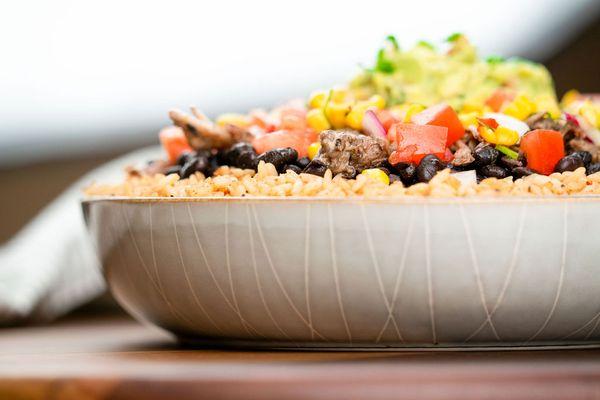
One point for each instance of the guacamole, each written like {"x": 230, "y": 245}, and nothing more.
{"x": 425, "y": 76}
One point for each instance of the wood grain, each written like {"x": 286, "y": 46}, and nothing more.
{"x": 117, "y": 358}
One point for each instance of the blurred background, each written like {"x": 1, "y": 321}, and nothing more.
{"x": 84, "y": 82}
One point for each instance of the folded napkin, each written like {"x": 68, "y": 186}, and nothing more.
{"x": 50, "y": 266}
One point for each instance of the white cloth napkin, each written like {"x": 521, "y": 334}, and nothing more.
{"x": 50, "y": 266}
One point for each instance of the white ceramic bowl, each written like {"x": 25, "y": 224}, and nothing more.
{"x": 357, "y": 273}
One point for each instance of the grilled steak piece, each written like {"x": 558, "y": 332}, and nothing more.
{"x": 348, "y": 152}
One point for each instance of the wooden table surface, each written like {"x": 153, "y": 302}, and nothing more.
{"x": 113, "y": 357}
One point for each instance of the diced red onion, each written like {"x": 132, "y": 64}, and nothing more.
{"x": 372, "y": 126}
{"x": 571, "y": 118}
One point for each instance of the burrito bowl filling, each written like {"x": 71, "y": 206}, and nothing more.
{"x": 420, "y": 122}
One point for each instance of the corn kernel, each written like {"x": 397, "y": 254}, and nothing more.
{"x": 317, "y": 99}
{"x": 240, "y": 120}
{"x": 468, "y": 118}
{"x": 336, "y": 114}
{"x": 501, "y": 135}
{"x": 313, "y": 149}
{"x": 472, "y": 106}
{"x": 569, "y": 97}
{"x": 487, "y": 134}
{"x": 377, "y": 101}
{"x": 355, "y": 116}
{"x": 487, "y": 109}
{"x": 521, "y": 107}
{"x": 377, "y": 174}
{"x": 506, "y": 136}
{"x": 317, "y": 120}
{"x": 340, "y": 95}
{"x": 411, "y": 110}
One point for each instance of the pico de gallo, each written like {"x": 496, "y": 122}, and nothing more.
{"x": 412, "y": 114}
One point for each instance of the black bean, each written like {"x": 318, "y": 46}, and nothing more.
{"x": 173, "y": 169}
{"x": 316, "y": 167}
{"x": 592, "y": 168}
{"x": 394, "y": 178}
{"x": 247, "y": 160}
{"x": 433, "y": 159}
{"x": 222, "y": 157}
{"x": 213, "y": 164}
{"x": 568, "y": 163}
{"x": 202, "y": 162}
{"x": 408, "y": 174}
{"x": 195, "y": 164}
{"x": 184, "y": 158}
{"x": 428, "y": 167}
{"x": 204, "y": 153}
{"x": 493, "y": 171}
{"x": 303, "y": 162}
{"x": 510, "y": 163}
{"x": 188, "y": 168}
{"x": 519, "y": 172}
{"x": 585, "y": 156}
{"x": 485, "y": 155}
{"x": 292, "y": 167}
{"x": 232, "y": 154}
{"x": 279, "y": 157}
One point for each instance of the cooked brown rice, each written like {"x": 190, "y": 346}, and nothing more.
{"x": 267, "y": 182}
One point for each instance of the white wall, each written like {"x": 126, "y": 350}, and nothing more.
{"x": 81, "y": 76}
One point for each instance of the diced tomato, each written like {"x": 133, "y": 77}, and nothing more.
{"x": 498, "y": 98}
{"x": 448, "y": 156}
{"x": 293, "y": 119}
{"x": 174, "y": 142}
{"x": 441, "y": 115}
{"x": 386, "y": 118}
{"x": 403, "y": 155}
{"x": 416, "y": 141}
{"x": 299, "y": 140}
{"x": 543, "y": 149}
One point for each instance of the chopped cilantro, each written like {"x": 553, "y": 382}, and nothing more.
{"x": 383, "y": 64}
{"x": 494, "y": 59}
{"x": 425, "y": 43}
{"x": 393, "y": 41}
{"x": 454, "y": 37}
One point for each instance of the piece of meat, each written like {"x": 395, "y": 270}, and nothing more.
{"x": 469, "y": 139}
{"x": 239, "y": 134}
{"x": 463, "y": 156}
{"x": 569, "y": 129}
{"x": 541, "y": 121}
{"x": 348, "y": 152}
{"x": 201, "y": 132}
{"x": 584, "y": 145}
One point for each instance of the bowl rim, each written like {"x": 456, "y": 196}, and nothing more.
{"x": 407, "y": 200}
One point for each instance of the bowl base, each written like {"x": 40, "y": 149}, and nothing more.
{"x": 212, "y": 343}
